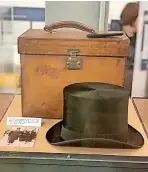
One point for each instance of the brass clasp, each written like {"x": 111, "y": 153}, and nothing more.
{"x": 73, "y": 61}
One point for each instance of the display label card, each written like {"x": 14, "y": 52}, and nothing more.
{"x": 22, "y": 121}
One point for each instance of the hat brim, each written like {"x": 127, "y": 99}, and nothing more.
{"x": 134, "y": 140}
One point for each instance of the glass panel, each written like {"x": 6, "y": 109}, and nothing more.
{"x": 140, "y": 82}
{"x": 115, "y": 10}
{"x": 15, "y": 18}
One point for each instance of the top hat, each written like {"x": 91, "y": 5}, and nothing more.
{"x": 95, "y": 115}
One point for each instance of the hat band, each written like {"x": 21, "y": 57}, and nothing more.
{"x": 72, "y": 135}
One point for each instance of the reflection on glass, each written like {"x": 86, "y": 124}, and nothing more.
{"x": 14, "y": 20}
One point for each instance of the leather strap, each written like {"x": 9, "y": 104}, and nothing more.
{"x": 68, "y": 24}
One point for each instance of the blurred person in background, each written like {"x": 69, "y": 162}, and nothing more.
{"x": 129, "y": 25}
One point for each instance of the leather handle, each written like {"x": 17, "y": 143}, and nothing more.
{"x": 68, "y": 24}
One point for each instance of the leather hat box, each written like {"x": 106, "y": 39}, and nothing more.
{"x": 57, "y": 55}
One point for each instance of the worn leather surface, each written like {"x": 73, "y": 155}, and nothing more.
{"x": 44, "y": 58}
{"x": 38, "y": 41}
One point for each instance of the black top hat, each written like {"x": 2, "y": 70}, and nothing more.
{"x": 95, "y": 115}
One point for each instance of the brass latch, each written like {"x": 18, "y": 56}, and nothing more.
{"x": 73, "y": 61}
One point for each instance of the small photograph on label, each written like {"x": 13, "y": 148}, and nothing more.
{"x": 19, "y": 136}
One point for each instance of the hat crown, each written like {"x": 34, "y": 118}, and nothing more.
{"x": 94, "y": 110}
